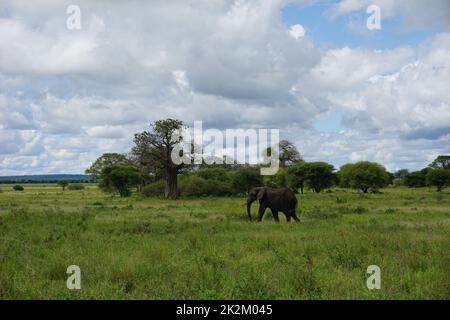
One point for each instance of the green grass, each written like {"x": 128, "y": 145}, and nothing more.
{"x": 148, "y": 248}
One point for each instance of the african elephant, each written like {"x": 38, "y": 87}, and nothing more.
{"x": 277, "y": 199}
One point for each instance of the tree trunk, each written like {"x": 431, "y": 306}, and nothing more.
{"x": 171, "y": 191}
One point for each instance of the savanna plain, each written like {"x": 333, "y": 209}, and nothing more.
{"x": 205, "y": 248}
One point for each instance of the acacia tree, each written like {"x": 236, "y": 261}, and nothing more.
{"x": 364, "y": 175}
{"x": 156, "y": 146}
{"x": 119, "y": 178}
{"x": 440, "y": 178}
{"x": 106, "y": 160}
{"x": 344, "y": 175}
{"x": 319, "y": 175}
{"x": 297, "y": 176}
{"x": 63, "y": 183}
{"x": 441, "y": 162}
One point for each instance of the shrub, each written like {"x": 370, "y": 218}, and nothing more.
{"x": 278, "y": 180}
{"x": 75, "y": 186}
{"x": 192, "y": 185}
{"x": 245, "y": 178}
{"x": 18, "y": 188}
{"x": 219, "y": 188}
{"x": 219, "y": 174}
{"x": 416, "y": 179}
{"x": 154, "y": 189}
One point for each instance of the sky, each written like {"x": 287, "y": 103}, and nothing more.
{"x": 312, "y": 68}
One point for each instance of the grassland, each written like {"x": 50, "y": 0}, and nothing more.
{"x": 148, "y": 248}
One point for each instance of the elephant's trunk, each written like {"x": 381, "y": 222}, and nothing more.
{"x": 249, "y": 206}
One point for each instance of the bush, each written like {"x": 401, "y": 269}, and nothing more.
{"x": 75, "y": 186}
{"x": 154, "y": 189}
{"x": 245, "y": 178}
{"x": 18, "y": 188}
{"x": 192, "y": 185}
{"x": 416, "y": 179}
{"x": 219, "y": 174}
{"x": 278, "y": 180}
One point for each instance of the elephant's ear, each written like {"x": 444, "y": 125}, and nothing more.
{"x": 261, "y": 193}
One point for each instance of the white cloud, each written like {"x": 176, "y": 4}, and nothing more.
{"x": 67, "y": 96}
{"x": 297, "y": 31}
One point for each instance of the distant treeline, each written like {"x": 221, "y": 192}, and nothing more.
{"x": 46, "y": 178}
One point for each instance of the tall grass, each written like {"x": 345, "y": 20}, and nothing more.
{"x": 206, "y": 249}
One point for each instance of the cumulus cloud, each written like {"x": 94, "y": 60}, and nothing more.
{"x": 66, "y": 96}
{"x": 297, "y": 31}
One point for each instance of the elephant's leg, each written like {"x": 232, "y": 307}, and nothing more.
{"x": 275, "y": 216}
{"x": 294, "y": 215}
{"x": 262, "y": 209}
{"x": 288, "y": 218}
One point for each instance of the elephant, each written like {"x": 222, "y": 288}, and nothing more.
{"x": 277, "y": 199}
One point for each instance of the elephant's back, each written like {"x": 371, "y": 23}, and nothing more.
{"x": 290, "y": 196}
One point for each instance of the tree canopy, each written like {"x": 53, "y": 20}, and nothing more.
{"x": 104, "y": 161}
{"x": 119, "y": 179}
{"x": 63, "y": 183}
{"x": 441, "y": 162}
{"x": 364, "y": 175}
{"x": 440, "y": 178}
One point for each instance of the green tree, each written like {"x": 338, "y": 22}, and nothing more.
{"x": 343, "y": 175}
{"x": 400, "y": 176}
{"x": 106, "y": 160}
{"x": 365, "y": 175}
{"x": 416, "y": 179}
{"x": 319, "y": 175}
{"x": 63, "y": 183}
{"x": 119, "y": 179}
{"x": 156, "y": 146}
{"x": 440, "y": 178}
{"x": 441, "y": 162}
{"x": 297, "y": 175}
{"x": 245, "y": 178}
